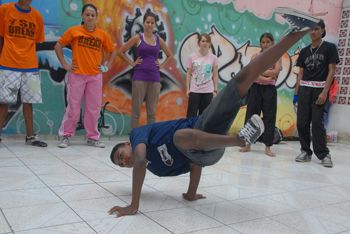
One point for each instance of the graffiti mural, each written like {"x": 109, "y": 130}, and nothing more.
{"x": 234, "y": 26}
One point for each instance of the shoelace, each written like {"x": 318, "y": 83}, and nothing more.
{"x": 248, "y": 130}
{"x": 291, "y": 22}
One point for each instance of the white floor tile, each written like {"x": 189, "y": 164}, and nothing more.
{"x": 265, "y": 206}
{"x": 152, "y": 200}
{"x": 55, "y": 190}
{"x": 27, "y": 197}
{"x": 129, "y": 224}
{"x": 221, "y": 230}
{"x": 264, "y": 226}
{"x": 74, "y": 228}
{"x": 20, "y": 182}
{"x": 4, "y": 227}
{"x": 121, "y": 188}
{"x": 106, "y": 175}
{"x": 10, "y": 162}
{"x": 43, "y": 215}
{"x": 57, "y": 168}
{"x": 60, "y": 179}
{"x": 183, "y": 220}
{"x": 81, "y": 192}
{"x": 229, "y": 212}
{"x": 95, "y": 208}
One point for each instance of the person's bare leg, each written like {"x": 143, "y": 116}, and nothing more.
{"x": 28, "y": 117}
{"x": 3, "y": 114}
{"x": 194, "y": 139}
{"x": 245, "y": 149}
{"x": 269, "y": 152}
{"x": 246, "y": 77}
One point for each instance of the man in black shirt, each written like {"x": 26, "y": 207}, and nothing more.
{"x": 317, "y": 65}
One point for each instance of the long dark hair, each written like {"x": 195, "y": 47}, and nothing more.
{"x": 150, "y": 14}
{"x": 268, "y": 35}
{"x": 86, "y": 6}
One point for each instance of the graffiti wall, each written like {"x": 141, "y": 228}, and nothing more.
{"x": 234, "y": 26}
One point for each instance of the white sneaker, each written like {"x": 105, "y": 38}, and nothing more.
{"x": 298, "y": 20}
{"x": 252, "y": 130}
{"x": 64, "y": 142}
{"x": 95, "y": 143}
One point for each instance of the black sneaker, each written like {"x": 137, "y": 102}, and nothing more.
{"x": 303, "y": 157}
{"x": 298, "y": 20}
{"x": 327, "y": 161}
{"x": 35, "y": 141}
{"x": 252, "y": 130}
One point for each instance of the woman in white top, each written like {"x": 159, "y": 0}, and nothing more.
{"x": 201, "y": 77}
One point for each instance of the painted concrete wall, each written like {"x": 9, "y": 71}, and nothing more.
{"x": 340, "y": 111}
{"x": 235, "y": 28}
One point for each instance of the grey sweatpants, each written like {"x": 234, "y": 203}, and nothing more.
{"x": 217, "y": 118}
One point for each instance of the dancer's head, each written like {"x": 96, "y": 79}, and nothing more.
{"x": 89, "y": 15}
{"x": 204, "y": 41}
{"x": 122, "y": 155}
{"x": 319, "y": 31}
{"x": 266, "y": 40}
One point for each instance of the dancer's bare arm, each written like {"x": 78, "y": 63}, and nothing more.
{"x": 195, "y": 176}
{"x": 138, "y": 176}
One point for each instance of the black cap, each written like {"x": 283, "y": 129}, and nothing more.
{"x": 323, "y": 26}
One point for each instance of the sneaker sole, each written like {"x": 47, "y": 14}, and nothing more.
{"x": 258, "y": 121}
{"x": 290, "y": 11}
{"x": 41, "y": 145}
{"x": 302, "y": 160}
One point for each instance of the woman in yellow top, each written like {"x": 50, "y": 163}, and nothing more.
{"x": 89, "y": 45}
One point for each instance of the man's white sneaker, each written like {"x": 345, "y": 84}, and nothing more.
{"x": 252, "y": 130}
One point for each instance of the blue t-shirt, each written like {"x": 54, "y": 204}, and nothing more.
{"x": 164, "y": 159}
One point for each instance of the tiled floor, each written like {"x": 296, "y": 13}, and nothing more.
{"x": 70, "y": 191}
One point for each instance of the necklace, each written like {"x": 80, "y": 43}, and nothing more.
{"x": 313, "y": 54}
{"x": 317, "y": 48}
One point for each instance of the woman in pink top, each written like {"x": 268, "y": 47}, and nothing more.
{"x": 262, "y": 97}
{"x": 201, "y": 77}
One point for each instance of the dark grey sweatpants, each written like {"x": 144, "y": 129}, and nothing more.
{"x": 217, "y": 118}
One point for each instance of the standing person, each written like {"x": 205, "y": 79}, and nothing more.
{"x": 89, "y": 45}
{"x": 262, "y": 97}
{"x": 201, "y": 77}
{"x": 317, "y": 65}
{"x": 21, "y": 27}
{"x": 186, "y": 145}
{"x": 146, "y": 76}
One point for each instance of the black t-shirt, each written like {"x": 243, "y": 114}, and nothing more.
{"x": 315, "y": 61}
